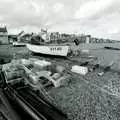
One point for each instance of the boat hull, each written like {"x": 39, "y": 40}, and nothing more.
{"x": 57, "y": 50}
{"x": 18, "y": 44}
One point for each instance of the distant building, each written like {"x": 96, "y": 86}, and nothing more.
{"x": 25, "y": 38}
{"x": 54, "y": 36}
{"x": 45, "y": 35}
{"x": 12, "y": 38}
{"x": 3, "y": 35}
{"x": 88, "y": 38}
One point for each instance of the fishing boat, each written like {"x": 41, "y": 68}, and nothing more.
{"x": 44, "y": 45}
{"x": 57, "y": 50}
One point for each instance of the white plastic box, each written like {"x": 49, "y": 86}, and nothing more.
{"x": 79, "y": 69}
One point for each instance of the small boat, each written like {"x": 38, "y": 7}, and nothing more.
{"x": 18, "y": 44}
{"x": 111, "y": 48}
{"x": 44, "y": 45}
{"x": 57, "y": 50}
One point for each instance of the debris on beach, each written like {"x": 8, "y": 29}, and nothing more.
{"x": 79, "y": 52}
{"x": 101, "y": 74}
{"x": 106, "y": 69}
{"x": 85, "y": 51}
{"x": 33, "y": 70}
{"x": 79, "y": 69}
{"x": 94, "y": 67}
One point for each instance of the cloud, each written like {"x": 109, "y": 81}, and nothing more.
{"x": 92, "y": 7}
{"x": 96, "y": 17}
{"x": 57, "y": 7}
{"x": 1, "y": 18}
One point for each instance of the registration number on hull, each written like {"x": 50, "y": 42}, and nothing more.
{"x": 56, "y": 49}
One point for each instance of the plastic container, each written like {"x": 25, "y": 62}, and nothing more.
{"x": 79, "y": 69}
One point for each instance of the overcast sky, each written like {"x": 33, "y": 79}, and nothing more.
{"x": 99, "y": 18}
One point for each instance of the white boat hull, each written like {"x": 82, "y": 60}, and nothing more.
{"x": 18, "y": 44}
{"x": 57, "y": 50}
